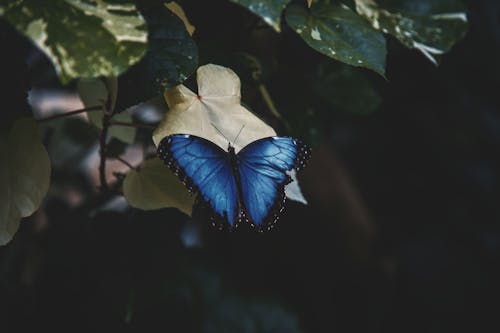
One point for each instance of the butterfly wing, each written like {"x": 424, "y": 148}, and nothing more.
{"x": 262, "y": 172}
{"x": 204, "y": 168}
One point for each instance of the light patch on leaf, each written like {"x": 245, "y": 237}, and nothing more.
{"x": 214, "y": 114}
{"x": 154, "y": 186}
{"x": 24, "y": 176}
{"x": 315, "y": 34}
{"x": 123, "y": 27}
{"x": 82, "y": 38}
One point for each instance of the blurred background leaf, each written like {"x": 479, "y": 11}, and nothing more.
{"x": 153, "y": 186}
{"x": 24, "y": 176}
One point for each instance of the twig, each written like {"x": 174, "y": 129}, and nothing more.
{"x": 71, "y": 113}
{"x": 102, "y": 152}
{"x": 136, "y": 125}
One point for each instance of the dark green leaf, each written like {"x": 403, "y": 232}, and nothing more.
{"x": 172, "y": 55}
{"x": 81, "y": 39}
{"x": 430, "y": 26}
{"x": 338, "y": 32}
{"x": 268, "y": 10}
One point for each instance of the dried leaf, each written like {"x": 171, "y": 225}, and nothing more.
{"x": 214, "y": 114}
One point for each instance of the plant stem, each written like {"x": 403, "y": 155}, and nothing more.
{"x": 121, "y": 123}
{"x": 270, "y": 105}
{"x": 102, "y": 152}
{"x": 71, "y": 113}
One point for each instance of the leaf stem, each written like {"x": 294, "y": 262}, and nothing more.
{"x": 269, "y": 102}
{"x": 71, "y": 113}
{"x": 270, "y": 105}
{"x": 136, "y": 125}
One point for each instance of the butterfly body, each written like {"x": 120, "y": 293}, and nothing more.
{"x": 247, "y": 186}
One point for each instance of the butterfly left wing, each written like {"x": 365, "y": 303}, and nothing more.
{"x": 262, "y": 172}
{"x": 205, "y": 168}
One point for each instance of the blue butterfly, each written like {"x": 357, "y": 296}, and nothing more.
{"x": 247, "y": 186}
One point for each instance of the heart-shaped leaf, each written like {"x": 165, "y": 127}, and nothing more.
{"x": 215, "y": 114}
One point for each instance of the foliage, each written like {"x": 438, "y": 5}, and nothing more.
{"x": 293, "y": 67}
{"x": 118, "y": 33}
{"x": 64, "y": 29}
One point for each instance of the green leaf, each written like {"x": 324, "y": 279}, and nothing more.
{"x": 24, "y": 176}
{"x": 338, "y": 32}
{"x": 268, "y": 10}
{"x": 345, "y": 89}
{"x": 82, "y": 38}
{"x": 430, "y": 26}
{"x": 154, "y": 186}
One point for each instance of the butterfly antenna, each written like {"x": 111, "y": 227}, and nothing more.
{"x": 237, "y": 135}
{"x": 220, "y": 132}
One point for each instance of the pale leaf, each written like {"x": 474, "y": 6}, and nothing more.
{"x": 214, "y": 114}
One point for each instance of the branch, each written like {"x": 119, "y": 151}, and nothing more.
{"x": 71, "y": 113}
{"x": 102, "y": 152}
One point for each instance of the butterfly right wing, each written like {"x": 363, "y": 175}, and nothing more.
{"x": 203, "y": 167}
{"x": 263, "y": 166}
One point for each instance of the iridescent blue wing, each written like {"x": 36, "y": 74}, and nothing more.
{"x": 204, "y": 168}
{"x": 262, "y": 172}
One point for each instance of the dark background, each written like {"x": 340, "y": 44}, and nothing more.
{"x": 401, "y": 234}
